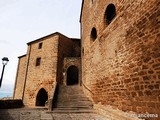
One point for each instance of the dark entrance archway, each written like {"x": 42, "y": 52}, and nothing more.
{"x": 72, "y": 75}
{"x": 42, "y": 97}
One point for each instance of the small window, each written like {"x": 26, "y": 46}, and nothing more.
{"x": 93, "y": 34}
{"x": 110, "y": 13}
{"x": 38, "y": 61}
{"x": 40, "y": 46}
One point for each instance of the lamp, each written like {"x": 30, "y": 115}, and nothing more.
{"x": 5, "y": 60}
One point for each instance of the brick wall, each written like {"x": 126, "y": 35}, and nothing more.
{"x": 44, "y": 75}
{"x": 32, "y": 76}
{"x": 67, "y": 47}
{"x": 76, "y": 52}
{"x": 122, "y": 66}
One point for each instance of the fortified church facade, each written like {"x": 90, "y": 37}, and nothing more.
{"x": 117, "y": 60}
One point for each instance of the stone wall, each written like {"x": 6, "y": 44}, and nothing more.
{"x": 43, "y": 75}
{"x": 76, "y": 52}
{"x": 67, "y": 47}
{"x": 20, "y": 78}
{"x": 41, "y": 69}
{"x": 121, "y": 67}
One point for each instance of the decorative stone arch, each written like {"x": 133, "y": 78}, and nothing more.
{"x": 72, "y": 71}
{"x": 41, "y": 97}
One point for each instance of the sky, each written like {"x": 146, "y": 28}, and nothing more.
{"x": 22, "y": 21}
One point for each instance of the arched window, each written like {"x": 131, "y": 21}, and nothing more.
{"x": 92, "y": 1}
{"x": 110, "y": 13}
{"x": 93, "y": 34}
{"x": 42, "y": 97}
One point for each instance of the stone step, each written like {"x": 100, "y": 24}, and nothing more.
{"x": 73, "y": 111}
{"x": 72, "y": 99}
{"x": 74, "y": 103}
{"x": 69, "y": 105}
{"x": 80, "y": 107}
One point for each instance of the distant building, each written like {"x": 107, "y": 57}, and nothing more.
{"x": 48, "y": 61}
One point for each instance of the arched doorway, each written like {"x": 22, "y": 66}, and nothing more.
{"x": 42, "y": 97}
{"x": 72, "y": 75}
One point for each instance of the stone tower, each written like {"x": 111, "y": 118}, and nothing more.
{"x": 121, "y": 54}
{"x": 50, "y": 60}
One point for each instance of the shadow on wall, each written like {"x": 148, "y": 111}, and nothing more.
{"x": 20, "y": 114}
{"x": 5, "y": 115}
{"x": 7, "y": 104}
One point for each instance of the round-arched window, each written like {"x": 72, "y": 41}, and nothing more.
{"x": 110, "y": 13}
{"x": 93, "y": 34}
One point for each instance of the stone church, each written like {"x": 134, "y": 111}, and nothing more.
{"x": 116, "y": 61}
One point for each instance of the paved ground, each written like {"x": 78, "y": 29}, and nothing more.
{"x": 43, "y": 114}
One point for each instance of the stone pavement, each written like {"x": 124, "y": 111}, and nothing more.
{"x": 43, "y": 114}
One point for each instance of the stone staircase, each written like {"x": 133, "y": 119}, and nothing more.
{"x": 71, "y": 99}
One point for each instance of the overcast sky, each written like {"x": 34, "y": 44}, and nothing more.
{"x": 22, "y": 21}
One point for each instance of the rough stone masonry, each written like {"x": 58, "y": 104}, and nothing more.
{"x": 119, "y": 59}
{"x": 121, "y": 53}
